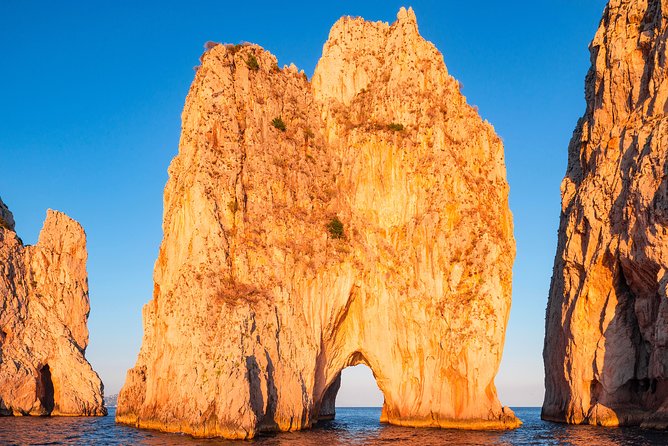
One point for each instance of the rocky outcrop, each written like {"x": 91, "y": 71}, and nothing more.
{"x": 359, "y": 218}
{"x": 43, "y": 312}
{"x": 606, "y": 344}
{"x": 6, "y": 217}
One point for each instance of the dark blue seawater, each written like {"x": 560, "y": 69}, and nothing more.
{"x": 353, "y": 426}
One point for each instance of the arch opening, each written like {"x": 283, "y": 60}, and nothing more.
{"x": 355, "y": 387}
{"x": 359, "y": 388}
{"x": 46, "y": 391}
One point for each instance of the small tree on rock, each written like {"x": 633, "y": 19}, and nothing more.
{"x": 335, "y": 228}
{"x": 278, "y": 123}
{"x": 251, "y": 63}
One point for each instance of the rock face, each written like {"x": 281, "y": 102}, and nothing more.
{"x": 360, "y": 218}
{"x": 43, "y": 313}
{"x": 606, "y": 345}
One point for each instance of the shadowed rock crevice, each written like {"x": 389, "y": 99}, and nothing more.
{"x": 262, "y": 392}
{"x": 328, "y": 405}
{"x": 45, "y": 393}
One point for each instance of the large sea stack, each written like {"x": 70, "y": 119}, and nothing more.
{"x": 43, "y": 313}
{"x": 360, "y": 218}
{"x": 606, "y": 344}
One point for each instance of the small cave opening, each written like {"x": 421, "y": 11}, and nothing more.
{"x": 45, "y": 391}
{"x": 354, "y": 394}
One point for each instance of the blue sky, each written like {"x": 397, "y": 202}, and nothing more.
{"x": 92, "y": 94}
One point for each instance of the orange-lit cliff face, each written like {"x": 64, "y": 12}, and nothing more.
{"x": 606, "y": 345}
{"x": 43, "y": 312}
{"x": 258, "y": 306}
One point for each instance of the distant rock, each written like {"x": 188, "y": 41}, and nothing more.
{"x": 43, "y": 312}
{"x": 359, "y": 219}
{"x": 111, "y": 400}
{"x": 606, "y": 344}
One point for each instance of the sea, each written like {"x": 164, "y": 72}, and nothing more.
{"x": 352, "y": 426}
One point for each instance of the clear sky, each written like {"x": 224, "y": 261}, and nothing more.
{"x": 91, "y": 96}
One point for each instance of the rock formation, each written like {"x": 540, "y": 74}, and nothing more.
{"x": 43, "y": 312}
{"x": 606, "y": 344}
{"x": 359, "y": 218}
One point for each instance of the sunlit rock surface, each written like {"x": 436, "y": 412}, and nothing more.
{"x": 43, "y": 312}
{"x": 259, "y": 304}
{"x": 606, "y": 345}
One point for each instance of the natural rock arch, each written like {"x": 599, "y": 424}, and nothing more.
{"x": 327, "y": 406}
{"x": 261, "y": 299}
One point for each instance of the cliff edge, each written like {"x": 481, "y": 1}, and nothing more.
{"x": 606, "y": 343}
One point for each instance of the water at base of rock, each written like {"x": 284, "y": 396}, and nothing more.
{"x": 352, "y": 426}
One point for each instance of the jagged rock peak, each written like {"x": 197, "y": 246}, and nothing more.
{"x": 43, "y": 313}
{"x": 361, "y": 218}
{"x": 406, "y": 15}
{"x": 606, "y": 349}
{"x": 359, "y": 51}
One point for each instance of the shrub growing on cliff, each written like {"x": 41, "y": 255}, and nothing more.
{"x": 234, "y": 48}
{"x": 335, "y": 228}
{"x": 395, "y": 127}
{"x": 251, "y": 63}
{"x": 278, "y": 123}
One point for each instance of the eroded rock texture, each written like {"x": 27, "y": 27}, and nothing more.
{"x": 258, "y": 306}
{"x": 43, "y": 312}
{"x": 606, "y": 345}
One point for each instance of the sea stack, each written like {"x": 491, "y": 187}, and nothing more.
{"x": 606, "y": 343}
{"x": 43, "y": 314}
{"x": 360, "y": 218}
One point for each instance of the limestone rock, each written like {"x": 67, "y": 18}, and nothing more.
{"x": 43, "y": 312}
{"x": 360, "y": 218}
{"x": 606, "y": 344}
